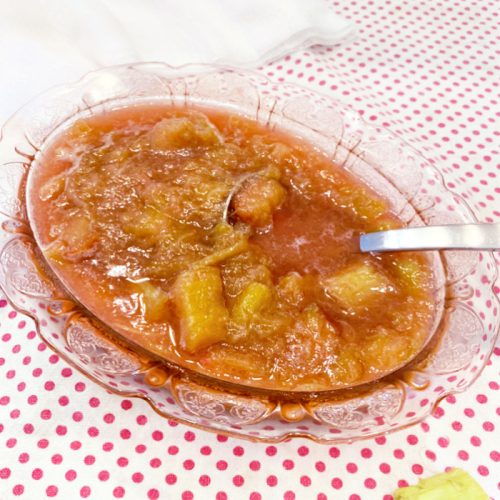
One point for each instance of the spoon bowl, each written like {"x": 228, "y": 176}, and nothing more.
{"x": 444, "y": 237}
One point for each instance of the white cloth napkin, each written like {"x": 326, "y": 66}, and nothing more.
{"x": 43, "y": 43}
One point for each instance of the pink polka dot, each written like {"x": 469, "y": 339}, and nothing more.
{"x": 254, "y": 465}
{"x": 337, "y": 483}
{"x": 272, "y": 480}
{"x": 204, "y": 480}
{"x": 334, "y": 452}
{"x": 126, "y": 404}
{"x": 320, "y": 466}
{"x": 61, "y": 430}
{"x": 70, "y": 475}
{"x": 94, "y": 402}
{"x": 417, "y": 469}
{"x": 93, "y": 431}
{"x": 305, "y": 481}
{"x": 28, "y": 428}
{"x": 385, "y": 468}
{"x": 125, "y": 434}
{"x": 238, "y": 451}
{"x": 63, "y": 401}
{"x": 137, "y": 477}
{"x": 119, "y": 492}
{"x": 155, "y": 463}
{"x": 370, "y": 483}
{"x": 412, "y": 439}
{"x": 483, "y": 470}
{"x": 188, "y": 464}
{"x": 18, "y": 490}
{"x": 170, "y": 479}
{"x": 85, "y": 491}
{"x": 43, "y": 443}
{"x": 303, "y": 451}
{"x": 189, "y": 436}
{"x": 488, "y": 426}
{"x": 153, "y": 494}
{"x": 238, "y": 480}
{"x": 469, "y": 412}
{"x": 443, "y": 442}
{"x": 75, "y": 445}
{"x": 4, "y": 473}
{"x": 51, "y": 491}
{"x": 36, "y": 474}
{"x": 475, "y": 441}
{"x": 352, "y": 467}
{"x": 271, "y": 451}
{"x": 206, "y": 450}
{"x": 108, "y": 418}
{"x": 103, "y": 475}
{"x": 157, "y": 435}
{"x": 288, "y": 464}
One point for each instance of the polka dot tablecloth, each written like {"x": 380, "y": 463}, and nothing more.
{"x": 425, "y": 70}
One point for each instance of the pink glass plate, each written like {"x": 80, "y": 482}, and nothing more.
{"x": 468, "y": 326}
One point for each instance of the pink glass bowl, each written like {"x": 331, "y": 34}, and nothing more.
{"x": 452, "y": 360}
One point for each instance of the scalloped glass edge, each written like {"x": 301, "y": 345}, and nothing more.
{"x": 470, "y": 321}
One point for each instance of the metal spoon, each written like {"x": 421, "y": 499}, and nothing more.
{"x": 453, "y": 236}
{"x": 447, "y": 237}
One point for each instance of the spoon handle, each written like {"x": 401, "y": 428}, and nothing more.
{"x": 459, "y": 236}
